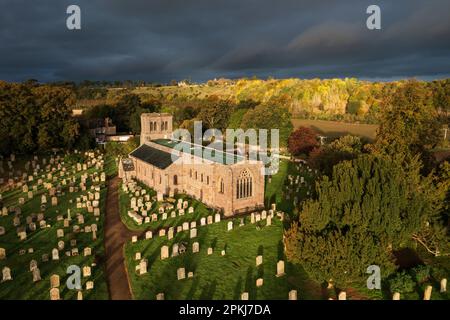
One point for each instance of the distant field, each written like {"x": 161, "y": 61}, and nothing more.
{"x": 338, "y": 129}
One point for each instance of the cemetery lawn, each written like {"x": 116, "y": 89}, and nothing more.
{"x": 44, "y": 240}
{"x": 217, "y": 276}
{"x": 200, "y": 210}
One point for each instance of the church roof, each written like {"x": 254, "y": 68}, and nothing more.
{"x": 194, "y": 149}
{"x": 158, "y": 158}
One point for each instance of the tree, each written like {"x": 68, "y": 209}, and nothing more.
{"x": 409, "y": 122}
{"x": 345, "y": 148}
{"x": 127, "y": 105}
{"x": 302, "y": 141}
{"x": 215, "y": 113}
{"x": 402, "y": 283}
{"x": 268, "y": 116}
{"x": 35, "y": 117}
{"x": 370, "y": 207}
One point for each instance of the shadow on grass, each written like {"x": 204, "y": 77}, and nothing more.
{"x": 208, "y": 291}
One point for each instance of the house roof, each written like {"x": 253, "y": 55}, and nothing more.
{"x": 158, "y": 158}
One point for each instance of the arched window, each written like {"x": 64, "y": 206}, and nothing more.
{"x": 244, "y": 185}
{"x": 155, "y": 126}
{"x": 151, "y": 126}
{"x": 207, "y": 180}
{"x": 201, "y": 177}
{"x": 196, "y": 176}
{"x": 175, "y": 180}
{"x": 221, "y": 186}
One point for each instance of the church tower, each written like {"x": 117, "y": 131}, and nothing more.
{"x": 155, "y": 126}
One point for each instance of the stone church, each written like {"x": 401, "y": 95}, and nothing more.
{"x": 231, "y": 188}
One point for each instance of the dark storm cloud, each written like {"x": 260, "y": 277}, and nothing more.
{"x": 160, "y": 40}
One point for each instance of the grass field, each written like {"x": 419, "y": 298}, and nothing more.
{"x": 44, "y": 240}
{"x": 217, "y": 276}
{"x": 336, "y": 129}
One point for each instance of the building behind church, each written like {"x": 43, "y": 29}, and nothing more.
{"x": 231, "y": 188}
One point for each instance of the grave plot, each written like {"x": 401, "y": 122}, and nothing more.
{"x": 240, "y": 258}
{"x": 52, "y": 217}
{"x": 142, "y": 209}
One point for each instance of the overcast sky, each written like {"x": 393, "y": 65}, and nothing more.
{"x": 161, "y": 40}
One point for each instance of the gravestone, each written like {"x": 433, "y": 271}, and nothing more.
{"x": 143, "y": 266}
{"x": 280, "y": 268}
{"x": 195, "y": 247}
{"x": 87, "y": 251}
{"x": 2, "y": 253}
{"x": 259, "y": 260}
{"x": 210, "y": 251}
{"x": 230, "y": 225}
{"x": 209, "y": 219}
{"x": 443, "y": 285}
{"x": 86, "y": 271}
{"x": 293, "y": 295}
{"x": 54, "y": 294}
{"x": 89, "y": 285}
{"x": 54, "y": 281}
{"x": 36, "y": 275}
{"x": 148, "y": 235}
{"x": 170, "y": 233}
{"x": 133, "y": 239}
{"x": 252, "y": 217}
{"x": 164, "y": 252}
{"x": 55, "y": 254}
{"x": 160, "y": 296}
{"x": 217, "y": 218}
{"x": 181, "y": 273}
{"x": 427, "y": 293}
{"x": 175, "y": 250}
{"x": 193, "y": 233}
{"x": 185, "y": 226}
{"x": 259, "y": 282}
{"x": 59, "y": 233}
{"x": 203, "y": 221}
{"x": 60, "y": 245}
{"x": 162, "y": 232}
{"x": 269, "y": 221}
{"x": 2, "y": 231}
{"x": 342, "y": 295}
{"x": 244, "y": 296}
{"x": 137, "y": 256}
{"x": 33, "y": 265}
{"x": 396, "y": 296}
